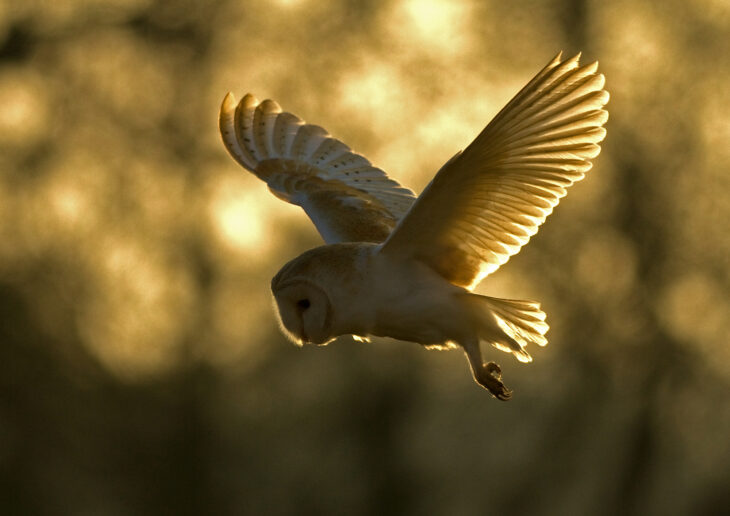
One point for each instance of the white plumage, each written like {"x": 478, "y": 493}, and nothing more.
{"x": 403, "y": 267}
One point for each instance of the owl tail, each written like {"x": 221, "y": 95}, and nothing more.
{"x": 519, "y": 322}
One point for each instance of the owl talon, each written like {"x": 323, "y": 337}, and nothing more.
{"x": 494, "y": 370}
{"x": 490, "y": 378}
{"x": 498, "y": 389}
{"x": 486, "y": 374}
{"x": 505, "y": 394}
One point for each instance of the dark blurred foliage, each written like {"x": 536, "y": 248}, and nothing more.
{"x": 141, "y": 369}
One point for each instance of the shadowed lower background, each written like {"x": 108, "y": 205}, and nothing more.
{"x": 141, "y": 368}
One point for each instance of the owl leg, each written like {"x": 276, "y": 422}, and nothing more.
{"x": 488, "y": 375}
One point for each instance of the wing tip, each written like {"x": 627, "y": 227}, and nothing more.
{"x": 227, "y": 120}
{"x": 228, "y": 106}
{"x": 558, "y": 59}
{"x": 226, "y": 116}
{"x": 269, "y": 106}
{"x": 249, "y": 100}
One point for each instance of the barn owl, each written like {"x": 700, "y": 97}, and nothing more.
{"x": 396, "y": 265}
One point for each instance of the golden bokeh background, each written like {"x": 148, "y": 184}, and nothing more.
{"x": 141, "y": 368}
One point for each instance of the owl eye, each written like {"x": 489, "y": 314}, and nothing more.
{"x": 303, "y": 303}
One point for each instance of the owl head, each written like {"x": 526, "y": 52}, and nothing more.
{"x": 314, "y": 294}
{"x": 305, "y": 311}
{"x": 302, "y": 301}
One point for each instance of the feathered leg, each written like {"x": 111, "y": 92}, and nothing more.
{"x": 488, "y": 375}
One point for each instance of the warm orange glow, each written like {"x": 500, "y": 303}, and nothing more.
{"x": 290, "y": 3}
{"x": 24, "y": 115}
{"x": 68, "y": 204}
{"x": 431, "y": 25}
{"x": 240, "y": 216}
{"x": 239, "y": 222}
{"x": 372, "y": 92}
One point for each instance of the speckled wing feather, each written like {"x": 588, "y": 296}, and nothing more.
{"x": 486, "y": 202}
{"x": 347, "y": 198}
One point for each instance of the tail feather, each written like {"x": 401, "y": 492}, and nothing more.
{"x": 522, "y": 323}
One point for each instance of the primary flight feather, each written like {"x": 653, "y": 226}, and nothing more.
{"x": 403, "y": 267}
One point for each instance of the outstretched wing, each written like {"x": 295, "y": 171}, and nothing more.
{"x": 486, "y": 202}
{"x": 347, "y": 198}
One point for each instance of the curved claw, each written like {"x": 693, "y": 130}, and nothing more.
{"x": 505, "y": 394}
